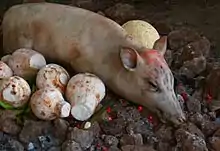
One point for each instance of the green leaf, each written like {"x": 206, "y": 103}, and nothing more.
{"x": 6, "y": 106}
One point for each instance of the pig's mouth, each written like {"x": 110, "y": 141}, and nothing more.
{"x": 165, "y": 117}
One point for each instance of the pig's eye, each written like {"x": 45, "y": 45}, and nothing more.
{"x": 152, "y": 85}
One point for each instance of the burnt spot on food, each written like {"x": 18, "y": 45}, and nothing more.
{"x": 42, "y": 113}
{"x": 17, "y": 78}
{"x": 13, "y": 92}
{"x": 57, "y": 109}
{"x": 52, "y": 90}
{"x": 34, "y": 104}
{"x": 13, "y": 85}
{"x": 87, "y": 81}
{"x": 57, "y": 84}
{"x": 47, "y": 102}
{"x": 52, "y": 115}
{"x": 97, "y": 96}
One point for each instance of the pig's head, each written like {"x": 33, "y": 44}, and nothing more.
{"x": 152, "y": 80}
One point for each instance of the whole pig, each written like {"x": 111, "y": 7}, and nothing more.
{"x": 93, "y": 43}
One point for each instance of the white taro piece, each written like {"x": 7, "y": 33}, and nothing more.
{"x": 5, "y": 58}
{"x": 52, "y": 75}
{"x": 15, "y": 91}
{"x": 84, "y": 92}
{"x": 5, "y": 70}
{"x": 25, "y": 62}
{"x": 49, "y": 104}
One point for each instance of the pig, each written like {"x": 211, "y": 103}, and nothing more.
{"x": 92, "y": 43}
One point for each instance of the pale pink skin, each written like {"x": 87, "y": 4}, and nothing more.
{"x": 93, "y": 43}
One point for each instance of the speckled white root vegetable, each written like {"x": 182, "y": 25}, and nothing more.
{"x": 142, "y": 31}
{"x": 84, "y": 92}
{"x": 25, "y": 62}
{"x": 5, "y": 70}
{"x": 5, "y": 58}
{"x": 49, "y": 104}
{"x": 15, "y": 91}
{"x": 53, "y": 75}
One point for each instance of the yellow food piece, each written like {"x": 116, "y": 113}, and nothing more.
{"x": 142, "y": 31}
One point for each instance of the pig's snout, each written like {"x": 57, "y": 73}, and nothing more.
{"x": 173, "y": 112}
{"x": 178, "y": 119}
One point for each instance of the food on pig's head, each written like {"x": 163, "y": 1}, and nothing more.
{"x": 142, "y": 31}
{"x": 53, "y": 75}
{"x": 48, "y": 104}
{"x": 5, "y": 70}
{"x": 15, "y": 91}
{"x": 26, "y": 63}
{"x": 84, "y": 92}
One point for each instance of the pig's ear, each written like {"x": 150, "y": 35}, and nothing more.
{"x": 129, "y": 58}
{"x": 161, "y": 45}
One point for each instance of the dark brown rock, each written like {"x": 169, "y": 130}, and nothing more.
{"x": 193, "y": 105}
{"x": 193, "y": 129}
{"x": 164, "y": 133}
{"x": 83, "y": 137}
{"x": 71, "y": 145}
{"x": 136, "y": 148}
{"x": 181, "y": 37}
{"x": 60, "y": 128}
{"x": 162, "y": 28}
{"x": 193, "y": 67}
{"x": 121, "y": 12}
{"x": 110, "y": 140}
{"x": 86, "y": 4}
{"x": 109, "y": 128}
{"x": 8, "y": 122}
{"x": 190, "y": 142}
{"x": 134, "y": 139}
{"x": 215, "y": 143}
{"x": 33, "y": 129}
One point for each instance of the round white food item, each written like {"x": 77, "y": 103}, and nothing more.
{"x": 84, "y": 92}
{"x": 49, "y": 104}
{"x": 142, "y": 31}
{"x": 26, "y": 62}
{"x": 5, "y": 70}
{"x": 53, "y": 75}
{"x": 14, "y": 91}
{"x": 6, "y": 58}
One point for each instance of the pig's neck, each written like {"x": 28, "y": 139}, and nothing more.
{"x": 120, "y": 81}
